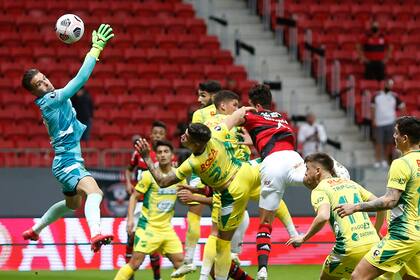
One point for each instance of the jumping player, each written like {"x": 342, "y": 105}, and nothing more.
{"x": 65, "y": 132}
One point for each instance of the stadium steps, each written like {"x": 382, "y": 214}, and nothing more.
{"x": 375, "y": 180}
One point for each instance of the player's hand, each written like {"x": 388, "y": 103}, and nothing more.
{"x": 296, "y": 241}
{"x": 130, "y": 226}
{"x": 129, "y": 188}
{"x": 344, "y": 210}
{"x": 247, "y": 140}
{"x": 101, "y": 36}
{"x": 187, "y": 187}
{"x": 185, "y": 196}
{"x": 143, "y": 147}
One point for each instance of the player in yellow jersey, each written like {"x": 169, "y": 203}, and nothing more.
{"x": 206, "y": 91}
{"x": 354, "y": 235}
{"x": 154, "y": 231}
{"x": 400, "y": 248}
{"x": 214, "y": 163}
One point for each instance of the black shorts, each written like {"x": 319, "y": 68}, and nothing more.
{"x": 375, "y": 70}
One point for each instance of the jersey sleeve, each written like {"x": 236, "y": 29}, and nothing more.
{"x": 399, "y": 174}
{"x": 133, "y": 160}
{"x": 219, "y": 131}
{"x": 364, "y": 193}
{"x": 196, "y": 118}
{"x": 319, "y": 197}
{"x": 77, "y": 82}
{"x": 144, "y": 183}
{"x": 184, "y": 170}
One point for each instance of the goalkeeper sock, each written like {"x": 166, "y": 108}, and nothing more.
{"x": 192, "y": 236}
{"x": 283, "y": 214}
{"x": 93, "y": 213}
{"x": 56, "y": 211}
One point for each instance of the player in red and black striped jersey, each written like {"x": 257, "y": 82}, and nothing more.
{"x": 281, "y": 165}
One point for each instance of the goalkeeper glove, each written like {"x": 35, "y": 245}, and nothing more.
{"x": 100, "y": 38}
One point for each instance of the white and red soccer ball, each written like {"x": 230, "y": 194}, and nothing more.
{"x": 69, "y": 28}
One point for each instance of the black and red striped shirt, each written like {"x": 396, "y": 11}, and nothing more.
{"x": 269, "y": 131}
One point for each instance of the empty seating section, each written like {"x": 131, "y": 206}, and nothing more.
{"x": 340, "y": 24}
{"x": 149, "y": 71}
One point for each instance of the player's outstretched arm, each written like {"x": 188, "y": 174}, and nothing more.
{"x": 237, "y": 117}
{"x": 99, "y": 40}
{"x": 142, "y": 146}
{"x": 322, "y": 216}
{"x": 388, "y": 201}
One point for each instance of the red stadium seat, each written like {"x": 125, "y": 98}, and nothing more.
{"x": 144, "y": 42}
{"x": 202, "y": 56}
{"x": 148, "y": 71}
{"x": 184, "y": 88}
{"x": 105, "y": 102}
{"x": 126, "y": 71}
{"x": 175, "y": 25}
{"x": 157, "y": 56}
{"x": 184, "y": 10}
{"x": 129, "y": 102}
{"x": 110, "y": 132}
{"x": 124, "y": 40}
{"x": 236, "y": 72}
{"x": 187, "y": 41}
{"x": 177, "y": 102}
{"x": 103, "y": 71}
{"x": 135, "y": 56}
{"x": 139, "y": 87}
{"x": 222, "y": 57}
{"x": 120, "y": 117}
{"x": 112, "y": 55}
{"x": 193, "y": 72}
{"x": 215, "y": 72}
{"x": 116, "y": 86}
{"x": 161, "y": 87}
{"x": 170, "y": 71}
{"x": 180, "y": 56}
{"x": 167, "y": 41}
{"x": 196, "y": 26}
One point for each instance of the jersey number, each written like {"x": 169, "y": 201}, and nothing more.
{"x": 356, "y": 199}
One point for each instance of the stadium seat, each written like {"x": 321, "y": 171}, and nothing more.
{"x": 201, "y": 56}
{"x": 170, "y": 71}
{"x": 222, "y": 57}
{"x": 148, "y": 71}
{"x": 180, "y": 56}
{"x": 157, "y": 56}
{"x": 175, "y": 25}
{"x": 215, "y": 72}
{"x": 105, "y": 101}
{"x": 115, "y": 86}
{"x": 183, "y": 10}
{"x": 196, "y": 26}
{"x": 236, "y": 72}
{"x": 144, "y": 42}
{"x": 184, "y": 88}
{"x": 187, "y": 41}
{"x": 135, "y": 56}
{"x": 161, "y": 87}
{"x": 129, "y": 102}
{"x": 167, "y": 41}
{"x": 126, "y": 71}
{"x": 193, "y": 72}
{"x": 139, "y": 87}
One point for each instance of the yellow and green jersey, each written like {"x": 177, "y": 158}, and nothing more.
{"x": 215, "y": 166}
{"x": 241, "y": 152}
{"x": 158, "y": 203}
{"x": 404, "y": 175}
{"x": 351, "y": 231}
{"x": 203, "y": 114}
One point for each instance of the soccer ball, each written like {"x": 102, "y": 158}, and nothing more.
{"x": 69, "y": 28}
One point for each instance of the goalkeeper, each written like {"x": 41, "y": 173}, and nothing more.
{"x": 65, "y": 131}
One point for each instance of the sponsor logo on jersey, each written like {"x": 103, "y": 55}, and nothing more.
{"x": 209, "y": 161}
{"x": 399, "y": 181}
{"x": 165, "y": 205}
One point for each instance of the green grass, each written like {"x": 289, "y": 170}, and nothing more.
{"x": 295, "y": 272}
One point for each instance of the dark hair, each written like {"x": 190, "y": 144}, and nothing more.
{"x": 163, "y": 143}
{"x": 323, "y": 159}
{"x": 210, "y": 86}
{"x": 159, "y": 124}
{"x": 410, "y": 126}
{"x": 199, "y": 132}
{"x": 224, "y": 95}
{"x": 260, "y": 94}
{"x": 27, "y": 78}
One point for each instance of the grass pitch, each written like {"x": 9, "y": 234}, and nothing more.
{"x": 295, "y": 272}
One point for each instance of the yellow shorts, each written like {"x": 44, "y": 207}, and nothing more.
{"x": 394, "y": 255}
{"x": 151, "y": 240}
{"x": 342, "y": 265}
{"x": 234, "y": 199}
{"x": 215, "y": 210}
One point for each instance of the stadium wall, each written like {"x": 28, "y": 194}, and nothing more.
{"x": 28, "y": 192}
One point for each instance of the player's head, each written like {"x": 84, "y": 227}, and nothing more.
{"x": 389, "y": 83}
{"x": 158, "y": 131}
{"x": 374, "y": 27}
{"x": 206, "y": 91}
{"x": 260, "y": 97}
{"x": 36, "y": 83}
{"x": 226, "y": 102}
{"x": 310, "y": 118}
{"x": 196, "y": 137}
{"x": 164, "y": 152}
{"x": 318, "y": 167}
{"x": 407, "y": 133}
